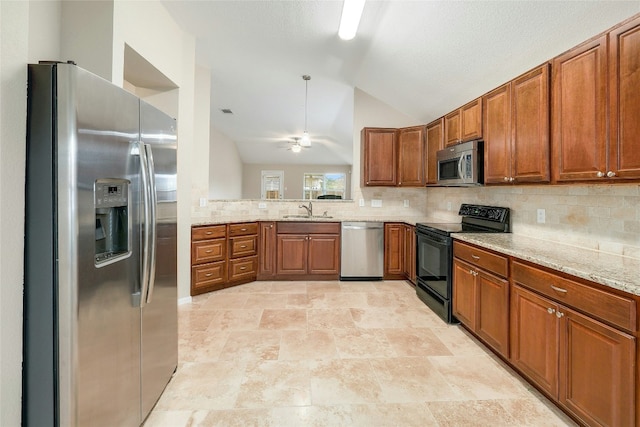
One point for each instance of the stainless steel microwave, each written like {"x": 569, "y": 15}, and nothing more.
{"x": 461, "y": 164}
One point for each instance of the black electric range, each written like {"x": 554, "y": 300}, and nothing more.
{"x": 434, "y": 253}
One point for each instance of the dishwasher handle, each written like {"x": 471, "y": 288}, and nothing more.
{"x": 361, "y": 226}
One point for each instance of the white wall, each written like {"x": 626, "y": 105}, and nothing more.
{"x": 14, "y": 48}
{"x": 293, "y": 178}
{"x": 200, "y": 157}
{"x": 147, "y": 28}
{"x": 225, "y": 168}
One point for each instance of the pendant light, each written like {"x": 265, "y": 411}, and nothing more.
{"x": 305, "y": 141}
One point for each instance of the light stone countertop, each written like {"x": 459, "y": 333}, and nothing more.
{"x": 237, "y": 219}
{"x": 615, "y": 271}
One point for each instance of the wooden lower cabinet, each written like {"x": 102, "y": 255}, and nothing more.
{"x": 267, "y": 250}
{"x": 394, "y": 251}
{"x": 587, "y": 366}
{"x": 307, "y": 250}
{"x": 223, "y": 255}
{"x": 481, "y": 302}
{"x": 410, "y": 253}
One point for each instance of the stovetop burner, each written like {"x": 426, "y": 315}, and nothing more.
{"x": 475, "y": 219}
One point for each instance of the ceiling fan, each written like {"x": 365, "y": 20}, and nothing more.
{"x": 296, "y": 147}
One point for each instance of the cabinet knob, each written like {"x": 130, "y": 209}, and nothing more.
{"x": 600, "y": 174}
{"x": 512, "y": 179}
{"x": 550, "y": 310}
{"x": 611, "y": 174}
{"x": 506, "y": 179}
{"x": 559, "y": 314}
{"x": 270, "y": 225}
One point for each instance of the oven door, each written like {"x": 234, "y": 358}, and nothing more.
{"x": 434, "y": 258}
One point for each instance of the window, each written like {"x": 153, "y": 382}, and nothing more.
{"x": 272, "y": 184}
{"x": 324, "y": 186}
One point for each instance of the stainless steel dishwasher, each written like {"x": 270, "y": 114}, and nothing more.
{"x": 362, "y": 251}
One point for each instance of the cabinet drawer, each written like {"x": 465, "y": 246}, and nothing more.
{"x": 243, "y": 268}
{"x": 497, "y": 264}
{"x": 242, "y": 246}
{"x": 207, "y": 275}
{"x": 208, "y": 251}
{"x": 243, "y": 229}
{"x": 615, "y": 309}
{"x": 208, "y": 232}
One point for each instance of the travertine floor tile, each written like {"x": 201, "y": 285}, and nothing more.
{"x": 327, "y": 353}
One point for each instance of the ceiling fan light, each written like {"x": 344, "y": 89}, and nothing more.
{"x": 305, "y": 141}
{"x": 296, "y": 148}
{"x": 351, "y": 14}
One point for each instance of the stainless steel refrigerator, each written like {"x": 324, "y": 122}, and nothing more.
{"x": 100, "y": 296}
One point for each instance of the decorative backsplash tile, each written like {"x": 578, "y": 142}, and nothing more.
{"x": 601, "y": 217}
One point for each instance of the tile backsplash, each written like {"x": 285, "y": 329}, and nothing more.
{"x": 601, "y": 217}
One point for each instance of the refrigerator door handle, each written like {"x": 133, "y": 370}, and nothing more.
{"x": 146, "y": 209}
{"x": 153, "y": 204}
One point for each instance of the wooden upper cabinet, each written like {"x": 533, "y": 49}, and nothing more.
{"x": 378, "y": 157}
{"x": 530, "y": 132}
{"x": 452, "y": 128}
{"x": 624, "y": 90}
{"x": 497, "y": 136}
{"x": 435, "y": 142}
{"x": 463, "y": 124}
{"x": 516, "y": 130}
{"x": 471, "y": 120}
{"x": 580, "y": 112}
{"x": 411, "y": 149}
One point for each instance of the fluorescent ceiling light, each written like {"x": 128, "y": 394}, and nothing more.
{"x": 351, "y": 13}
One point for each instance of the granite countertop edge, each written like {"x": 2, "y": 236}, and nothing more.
{"x": 410, "y": 221}
{"x": 611, "y": 270}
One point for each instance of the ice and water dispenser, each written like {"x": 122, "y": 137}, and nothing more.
{"x": 113, "y": 227}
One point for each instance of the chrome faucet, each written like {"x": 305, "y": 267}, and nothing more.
{"x": 308, "y": 208}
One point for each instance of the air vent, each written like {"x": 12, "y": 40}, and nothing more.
{"x": 226, "y": 111}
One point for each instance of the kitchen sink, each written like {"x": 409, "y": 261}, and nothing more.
{"x": 306, "y": 216}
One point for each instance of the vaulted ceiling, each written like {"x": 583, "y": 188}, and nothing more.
{"x": 423, "y": 58}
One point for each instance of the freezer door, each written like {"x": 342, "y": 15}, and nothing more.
{"x": 159, "y": 311}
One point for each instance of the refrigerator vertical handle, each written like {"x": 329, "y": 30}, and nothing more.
{"x": 146, "y": 213}
{"x": 153, "y": 205}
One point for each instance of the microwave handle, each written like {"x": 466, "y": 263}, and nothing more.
{"x": 460, "y": 166}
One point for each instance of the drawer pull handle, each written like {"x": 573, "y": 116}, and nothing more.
{"x": 557, "y": 289}
{"x": 243, "y": 229}
{"x": 209, "y": 233}
{"x": 208, "y": 275}
{"x": 550, "y": 310}
{"x": 243, "y": 268}
{"x": 243, "y": 246}
{"x": 209, "y": 251}
{"x": 476, "y": 257}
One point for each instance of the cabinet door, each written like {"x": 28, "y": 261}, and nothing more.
{"x": 580, "y": 113}
{"x": 267, "y": 250}
{"x": 452, "y": 128}
{"x": 435, "y": 139}
{"x": 493, "y": 316}
{"x": 379, "y": 150}
{"x": 471, "y": 120}
{"x": 497, "y": 136}
{"x": 624, "y": 63}
{"x": 530, "y": 126}
{"x": 410, "y": 253}
{"x": 292, "y": 254}
{"x": 465, "y": 299}
{"x": 534, "y": 338}
{"x": 596, "y": 371}
{"x": 393, "y": 251}
{"x": 324, "y": 254}
{"x": 411, "y": 157}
